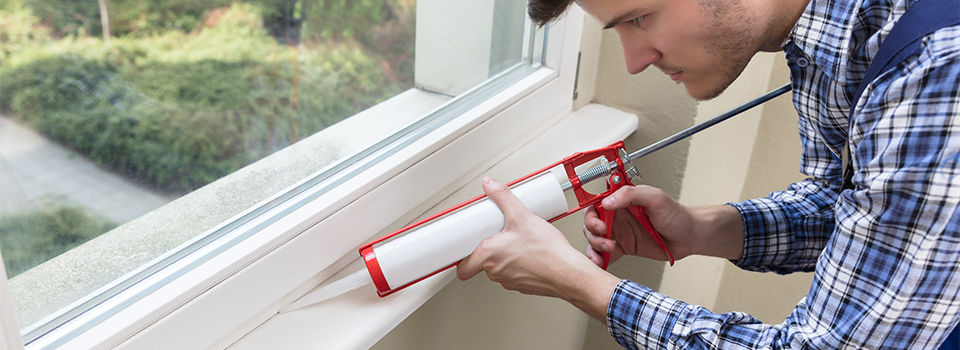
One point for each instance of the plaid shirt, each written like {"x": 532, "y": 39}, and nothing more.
{"x": 884, "y": 254}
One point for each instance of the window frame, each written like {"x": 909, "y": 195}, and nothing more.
{"x": 200, "y": 306}
{"x": 9, "y": 327}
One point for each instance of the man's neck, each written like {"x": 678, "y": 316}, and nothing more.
{"x": 783, "y": 17}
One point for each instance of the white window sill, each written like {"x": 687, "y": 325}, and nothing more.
{"x": 359, "y": 319}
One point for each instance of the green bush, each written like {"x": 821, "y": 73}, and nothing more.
{"x": 327, "y": 19}
{"x": 181, "y": 110}
{"x": 18, "y": 30}
{"x": 72, "y": 17}
{"x": 68, "y": 17}
{"x": 29, "y": 238}
{"x": 337, "y": 19}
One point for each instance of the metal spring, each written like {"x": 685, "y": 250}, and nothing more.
{"x": 589, "y": 175}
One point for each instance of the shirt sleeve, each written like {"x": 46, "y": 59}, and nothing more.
{"x": 639, "y": 318}
{"x": 888, "y": 276}
{"x": 786, "y": 231}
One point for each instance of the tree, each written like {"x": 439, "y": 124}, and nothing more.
{"x": 105, "y": 20}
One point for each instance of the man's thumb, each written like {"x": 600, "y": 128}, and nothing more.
{"x": 501, "y": 195}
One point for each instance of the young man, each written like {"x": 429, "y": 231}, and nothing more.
{"x": 884, "y": 245}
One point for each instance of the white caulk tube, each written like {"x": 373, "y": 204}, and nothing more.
{"x": 429, "y": 248}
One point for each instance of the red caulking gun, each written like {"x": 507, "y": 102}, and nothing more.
{"x": 432, "y": 245}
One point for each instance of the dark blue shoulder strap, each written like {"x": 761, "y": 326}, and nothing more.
{"x": 922, "y": 18}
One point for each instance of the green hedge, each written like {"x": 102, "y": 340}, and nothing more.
{"x": 72, "y": 17}
{"x": 29, "y": 238}
{"x": 327, "y": 19}
{"x": 181, "y": 110}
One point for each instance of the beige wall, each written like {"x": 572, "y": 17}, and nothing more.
{"x": 774, "y": 164}
{"x": 743, "y": 158}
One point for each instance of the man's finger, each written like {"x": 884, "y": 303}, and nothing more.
{"x": 469, "y": 266}
{"x": 500, "y": 194}
{"x": 599, "y": 243}
{"x": 639, "y": 195}
{"x": 593, "y": 223}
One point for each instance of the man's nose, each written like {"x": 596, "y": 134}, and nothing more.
{"x": 637, "y": 54}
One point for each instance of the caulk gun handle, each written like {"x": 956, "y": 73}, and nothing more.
{"x": 607, "y": 217}
{"x": 640, "y": 214}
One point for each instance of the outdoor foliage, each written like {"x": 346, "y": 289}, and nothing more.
{"x": 322, "y": 19}
{"x": 179, "y": 109}
{"x": 143, "y": 17}
{"x": 185, "y": 92}
{"x": 29, "y": 238}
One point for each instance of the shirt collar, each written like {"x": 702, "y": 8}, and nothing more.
{"x": 823, "y": 34}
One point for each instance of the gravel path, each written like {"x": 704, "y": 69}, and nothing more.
{"x": 34, "y": 169}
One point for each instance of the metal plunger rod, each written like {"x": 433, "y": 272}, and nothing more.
{"x": 601, "y": 170}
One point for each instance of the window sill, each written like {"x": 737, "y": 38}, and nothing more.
{"x": 359, "y": 319}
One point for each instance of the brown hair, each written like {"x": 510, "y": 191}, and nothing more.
{"x": 543, "y": 11}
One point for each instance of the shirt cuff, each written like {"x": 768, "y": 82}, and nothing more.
{"x": 760, "y": 217}
{"x": 638, "y": 317}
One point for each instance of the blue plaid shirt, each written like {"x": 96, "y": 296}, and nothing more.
{"x": 886, "y": 254}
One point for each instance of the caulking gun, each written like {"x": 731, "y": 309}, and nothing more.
{"x": 439, "y": 242}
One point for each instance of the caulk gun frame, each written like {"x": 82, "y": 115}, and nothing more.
{"x": 604, "y": 169}
{"x": 632, "y": 172}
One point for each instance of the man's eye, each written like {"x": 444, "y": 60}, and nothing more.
{"x": 637, "y": 21}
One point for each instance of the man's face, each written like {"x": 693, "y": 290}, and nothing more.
{"x": 704, "y": 44}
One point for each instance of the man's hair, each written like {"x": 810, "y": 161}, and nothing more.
{"x": 543, "y": 11}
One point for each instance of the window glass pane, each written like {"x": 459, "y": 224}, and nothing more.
{"x": 118, "y": 117}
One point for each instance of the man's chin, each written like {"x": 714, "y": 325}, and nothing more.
{"x": 705, "y": 92}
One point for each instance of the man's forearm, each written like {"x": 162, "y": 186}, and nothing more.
{"x": 590, "y": 290}
{"x": 719, "y": 232}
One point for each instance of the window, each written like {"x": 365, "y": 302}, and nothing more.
{"x": 279, "y": 230}
{"x": 103, "y": 126}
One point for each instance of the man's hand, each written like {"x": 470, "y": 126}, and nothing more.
{"x": 533, "y": 257}
{"x": 714, "y": 231}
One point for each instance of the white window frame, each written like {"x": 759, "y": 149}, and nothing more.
{"x": 226, "y": 296}
{"x": 9, "y": 327}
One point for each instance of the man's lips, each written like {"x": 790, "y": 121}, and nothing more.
{"x": 676, "y": 76}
